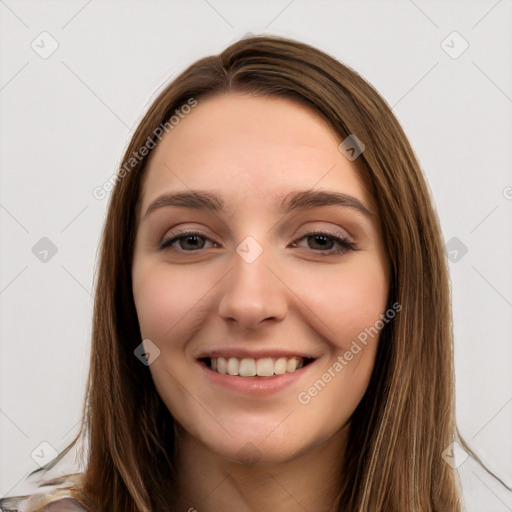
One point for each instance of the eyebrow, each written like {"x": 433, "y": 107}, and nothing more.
{"x": 295, "y": 200}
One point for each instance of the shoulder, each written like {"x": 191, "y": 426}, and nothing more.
{"x": 47, "y": 496}
{"x": 64, "y": 504}
{"x": 39, "y": 504}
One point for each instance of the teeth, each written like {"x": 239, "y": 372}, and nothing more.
{"x": 222, "y": 366}
{"x": 279, "y": 366}
{"x": 291, "y": 365}
{"x": 265, "y": 367}
{"x": 248, "y": 367}
{"x": 233, "y": 366}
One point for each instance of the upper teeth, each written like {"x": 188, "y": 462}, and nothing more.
{"x": 248, "y": 367}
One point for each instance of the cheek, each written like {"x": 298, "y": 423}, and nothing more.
{"x": 330, "y": 397}
{"x": 166, "y": 305}
{"x": 358, "y": 297}
{"x": 347, "y": 302}
{"x": 361, "y": 302}
{"x": 165, "y": 298}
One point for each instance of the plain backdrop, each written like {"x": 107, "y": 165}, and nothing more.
{"x": 76, "y": 77}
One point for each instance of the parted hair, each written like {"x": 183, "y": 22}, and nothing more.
{"x": 406, "y": 419}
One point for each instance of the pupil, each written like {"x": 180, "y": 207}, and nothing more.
{"x": 191, "y": 237}
{"x": 321, "y": 238}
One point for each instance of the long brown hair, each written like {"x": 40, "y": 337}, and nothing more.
{"x": 405, "y": 420}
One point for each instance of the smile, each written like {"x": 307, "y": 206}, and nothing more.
{"x": 262, "y": 367}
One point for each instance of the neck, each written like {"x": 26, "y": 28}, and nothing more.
{"x": 210, "y": 483}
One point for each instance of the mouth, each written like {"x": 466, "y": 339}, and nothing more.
{"x": 249, "y": 367}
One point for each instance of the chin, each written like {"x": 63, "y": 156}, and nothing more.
{"x": 253, "y": 453}
{"x": 253, "y": 447}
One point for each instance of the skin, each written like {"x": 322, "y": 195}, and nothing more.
{"x": 201, "y": 295}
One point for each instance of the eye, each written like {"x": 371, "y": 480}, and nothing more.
{"x": 190, "y": 239}
{"x": 327, "y": 240}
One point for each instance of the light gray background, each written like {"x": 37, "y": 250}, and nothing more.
{"x": 65, "y": 121}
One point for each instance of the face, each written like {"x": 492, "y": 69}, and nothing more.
{"x": 258, "y": 293}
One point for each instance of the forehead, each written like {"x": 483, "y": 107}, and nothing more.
{"x": 250, "y": 147}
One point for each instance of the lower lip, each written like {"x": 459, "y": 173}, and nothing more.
{"x": 259, "y": 386}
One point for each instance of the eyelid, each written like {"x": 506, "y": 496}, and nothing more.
{"x": 327, "y": 231}
{"x": 176, "y": 235}
{"x": 344, "y": 242}
{"x": 344, "y": 234}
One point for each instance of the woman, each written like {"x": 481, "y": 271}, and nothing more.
{"x": 272, "y": 324}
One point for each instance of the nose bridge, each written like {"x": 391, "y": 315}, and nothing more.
{"x": 252, "y": 293}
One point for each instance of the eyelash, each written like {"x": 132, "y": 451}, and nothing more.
{"x": 344, "y": 244}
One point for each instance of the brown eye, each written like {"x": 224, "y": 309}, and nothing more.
{"x": 322, "y": 241}
{"x": 187, "y": 241}
{"x": 319, "y": 241}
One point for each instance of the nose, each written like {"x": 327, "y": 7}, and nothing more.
{"x": 253, "y": 293}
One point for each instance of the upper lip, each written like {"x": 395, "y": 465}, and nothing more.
{"x": 240, "y": 353}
